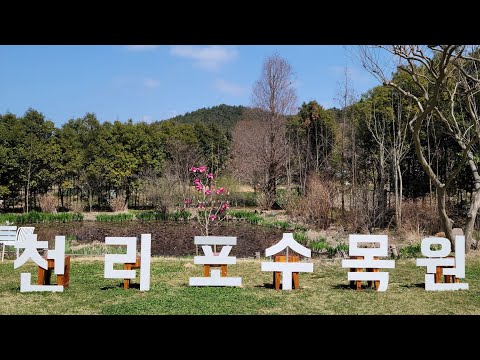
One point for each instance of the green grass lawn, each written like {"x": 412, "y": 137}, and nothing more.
{"x": 324, "y": 291}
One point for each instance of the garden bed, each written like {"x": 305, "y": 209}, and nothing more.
{"x": 169, "y": 238}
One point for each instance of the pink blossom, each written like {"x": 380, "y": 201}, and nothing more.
{"x": 193, "y": 169}
{"x": 200, "y": 206}
{"x": 202, "y": 169}
{"x": 225, "y": 206}
{"x": 210, "y": 176}
{"x": 220, "y": 191}
{"x": 188, "y": 201}
{"x": 207, "y": 191}
{"x": 213, "y": 217}
{"x": 199, "y": 187}
{"x": 196, "y": 181}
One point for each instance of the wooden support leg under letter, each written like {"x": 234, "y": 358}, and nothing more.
{"x": 130, "y": 266}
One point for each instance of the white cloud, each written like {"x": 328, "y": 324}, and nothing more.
{"x": 146, "y": 118}
{"x": 229, "y": 88}
{"x": 141, "y": 47}
{"x": 135, "y": 81}
{"x": 150, "y": 83}
{"x": 207, "y": 57}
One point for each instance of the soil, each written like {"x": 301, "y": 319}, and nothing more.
{"x": 169, "y": 238}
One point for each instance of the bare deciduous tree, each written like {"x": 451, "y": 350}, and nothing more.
{"x": 259, "y": 142}
{"x": 446, "y": 81}
{"x": 182, "y": 157}
{"x": 258, "y": 157}
{"x": 346, "y": 98}
{"x": 389, "y": 129}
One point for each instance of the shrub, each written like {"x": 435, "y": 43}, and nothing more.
{"x": 263, "y": 201}
{"x": 37, "y": 217}
{"x": 211, "y": 202}
{"x": 118, "y": 204}
{"x": 318, "y": 245}
{"x": 151, "y": 215}
{"x": 301, "y": 237}
{"x": 315, "y": 207}
{"x": 420, "y": 217}
{"x": 114, "y": 217}
{"x": 243, "y": 199}
{"x": 179, "y": 215}
{"x": 252, "y": 217}
{"x": 284, "y": 225}
{"x": 164, "y": 194}
{"x": 331, "y": 251}
{"x": 48, "y": 203}
{"x": 342, "y": 249}
{"x": 75, "y": 206}
{"x": 289, "y": 199}
{"x": 410, "y": 251}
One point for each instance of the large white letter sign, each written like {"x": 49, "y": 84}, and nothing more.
{"x": 31, "y": 246}
{"x": 215, "y": 259}
{"x": 369, "y": 261}
{"x": 145, "y": 254}
{"x": 130, "y": 258}
{"x": 453, "y": 267}
{"x": 287, "y": 268}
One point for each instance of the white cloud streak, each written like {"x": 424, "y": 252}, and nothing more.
{"x": 207, "y": 57}
{"x": 135, "y": 81}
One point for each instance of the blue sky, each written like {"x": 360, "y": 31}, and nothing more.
{"x": 150, "y": 82}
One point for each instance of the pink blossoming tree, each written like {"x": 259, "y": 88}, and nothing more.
{"x": 212, "y": 203}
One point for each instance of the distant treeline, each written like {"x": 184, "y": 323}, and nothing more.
{"x": 86, "y": 161}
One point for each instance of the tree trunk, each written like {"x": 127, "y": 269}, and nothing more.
{"x": 400, "y": 197}
{"x": 90, "y": 200}
{"x": 474, "y": 203}
{"x": 397, "y": 196}
{"x": 27, "y": 192}
{"x": 271, "y": 186}
{"x": 127, "y": 195}
{"x": 353, "y": 203}
{"x": 470, "y": 225}
{"x": 447, "y": 223}
{"x": 60, "y": 191}
{"x": 382, "y": 204}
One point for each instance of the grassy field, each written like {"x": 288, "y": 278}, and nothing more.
{"x": 324, "y": 291}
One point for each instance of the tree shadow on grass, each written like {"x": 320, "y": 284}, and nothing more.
{"x": 265, "y": 285}
{"x": 342, "y": 287}
{"x": 409, "y": 286}
{"x": 120, "y": 285}
{"x": 347, "y": 287}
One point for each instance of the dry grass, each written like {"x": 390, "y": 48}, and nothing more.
{"x": 118, "y": 204}
{"x": 315, "y": 207}
{"x": 48, "y": 203}
{"x": 420, "y": 218}
{"x": 245, "y": 188}
{"x": 324, "y": 291}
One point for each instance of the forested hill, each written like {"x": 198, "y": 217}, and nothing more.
{"x": 222, "y": 115}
